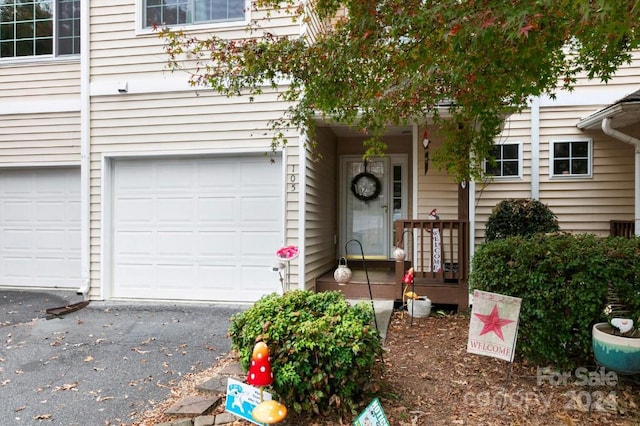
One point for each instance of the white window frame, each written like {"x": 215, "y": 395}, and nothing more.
{"x": 552, "y": 172}
{"x": 142, "y": 30}
{"x": 520, "y": 162}
{"x": 48, "y": 57}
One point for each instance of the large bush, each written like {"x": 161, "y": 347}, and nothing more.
{"x": 563, "y": 281}
{"x": 323, "y": 350}
{"x": 519, "y": 216}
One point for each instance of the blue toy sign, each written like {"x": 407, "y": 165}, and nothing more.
{"x": 243, "y": 398}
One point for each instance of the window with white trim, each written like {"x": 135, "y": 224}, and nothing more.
{"x": 571, "y": 158}
{"x": 39, "y": 28}
{"x": 186, "y": 12}
{"x": 506, "y": 161}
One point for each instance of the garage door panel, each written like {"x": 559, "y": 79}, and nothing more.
{"x": 18, "y": 212}
{"x": 17, "y": 267}
{"x": 16, "y": 184}
{"x": 174, "y": 176}
{"x": 254, "y": 279}
{"x": 177, "y": 243}
{"x": 50, "y": 240}
{"x": 256, "y": 243}
{"x": 51, "y": 184}
{"x": 216, "y": 243}
{"x": 51, "y": 268}
{"x": 51, "y": 212}
{"x": 215, "y": 225}
{"x": 175, "y": 210}
{"x": 177, "y": 277}
{"x": 40, "y": 227}
{"x": 135, "y": 276}
{"x": 17, "y": 239}
{"x": 134, "y": 211}
{"x": 261, "y": 209}
{"x": 133, "y": 177}
{"x": 217, "y": 278}
{"x": 214, "y": 175}
{"x": 134, "y": 243}
{"x": 216, "y": 209}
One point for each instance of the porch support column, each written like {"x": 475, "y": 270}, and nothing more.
{"x": 608, "y": 130}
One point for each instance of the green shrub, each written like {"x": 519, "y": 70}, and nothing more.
{"x": 323, "y": 350}
{"x": 521, "y": 216}
{"x": 563, "y": 282}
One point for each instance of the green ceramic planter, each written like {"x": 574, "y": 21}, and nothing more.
{"x": 616, "y": 353}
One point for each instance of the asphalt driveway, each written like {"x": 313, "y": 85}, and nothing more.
{"x": 102, "y": 364}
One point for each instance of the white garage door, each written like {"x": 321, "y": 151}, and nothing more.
{"x": 196, "y": 229}
{"x": 40, "y": 227}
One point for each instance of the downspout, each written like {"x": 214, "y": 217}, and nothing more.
{"x": 535, "y": 148}
{"x": 302, "y": 213}
{"x": 608, "y": 130}
{"x": 85, "y": 164}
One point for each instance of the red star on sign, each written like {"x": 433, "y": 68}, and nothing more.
{"x": 493, "y": 322}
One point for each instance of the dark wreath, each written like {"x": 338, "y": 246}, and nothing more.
{"x": 366, "y": 175}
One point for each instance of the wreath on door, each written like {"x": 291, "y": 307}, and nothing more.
{"x": 366, "y": 186}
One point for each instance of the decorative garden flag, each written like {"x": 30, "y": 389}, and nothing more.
{"x": 493, "y": 329}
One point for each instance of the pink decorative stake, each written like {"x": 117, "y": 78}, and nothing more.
{"x": 260, "y": 374}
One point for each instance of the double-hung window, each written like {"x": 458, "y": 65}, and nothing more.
{"x": 188, "y": 12}
{"x": 571, "y": 158}
{"x": 506, "y": 161}
{"x": 39, "y": 28}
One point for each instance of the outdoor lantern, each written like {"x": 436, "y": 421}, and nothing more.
{"x": 399, "y": 254}
{"x": 343, "y": 274}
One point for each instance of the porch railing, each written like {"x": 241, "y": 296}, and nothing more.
{"x": 622, "y": 228}
{"x": 437, "y": 249}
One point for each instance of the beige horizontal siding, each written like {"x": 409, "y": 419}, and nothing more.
{"x": 116, "y": 49}
{"x": 40, "y": 138}
{"x": 39, "y": 81}
{"x": 321, "y": 207}
{"x": 436, "y": 190}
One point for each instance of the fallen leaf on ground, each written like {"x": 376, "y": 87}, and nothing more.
{"x": 43, "y": 416}
{"x": 68, "y": 386}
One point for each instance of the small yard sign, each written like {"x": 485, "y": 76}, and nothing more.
{"x": 373, "y": 415}
{"x": 243, "y": 398}
{"x": 493, "y": 328}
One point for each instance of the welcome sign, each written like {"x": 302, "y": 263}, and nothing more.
{"x": 493, "y": 329}
{"x": 373, "y": 415}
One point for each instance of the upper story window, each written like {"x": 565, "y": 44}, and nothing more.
{"x": 39, "y": 28}
{"x": 186, "y": 12}
{"x": 507, "y": 161}
{"x": 571, "y": 158}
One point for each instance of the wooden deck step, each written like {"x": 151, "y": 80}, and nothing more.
{"x": 382, "y": 282}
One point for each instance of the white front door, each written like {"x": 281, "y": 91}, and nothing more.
{"x": 373, "y": 195}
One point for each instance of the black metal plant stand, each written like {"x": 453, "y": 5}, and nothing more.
{"x": 366, "y": 272}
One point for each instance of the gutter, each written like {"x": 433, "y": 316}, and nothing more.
{"x": 85, "y": 163}
{"x": 608, "y": 130}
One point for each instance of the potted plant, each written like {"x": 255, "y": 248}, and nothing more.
{"x": 616, "y": 342}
